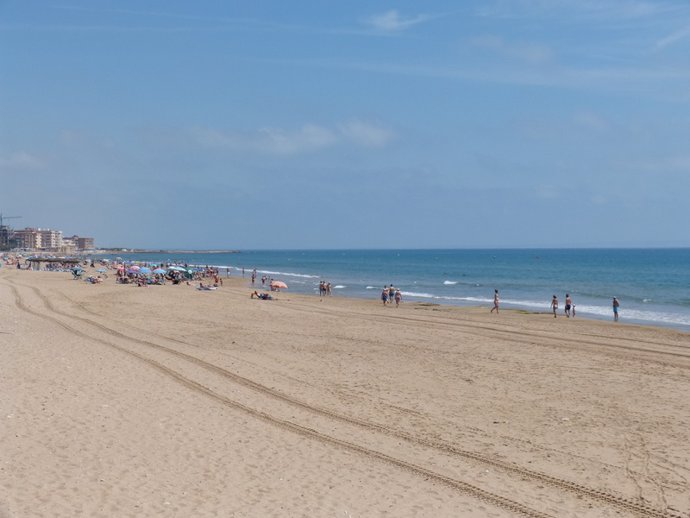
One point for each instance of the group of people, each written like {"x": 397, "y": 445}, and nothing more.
{"x": 389, "y": 294}
{"x": 568, "y": 309}
{"x": 324, "y": 289}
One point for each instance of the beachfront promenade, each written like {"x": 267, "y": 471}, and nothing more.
{"x": 171, "y": 401}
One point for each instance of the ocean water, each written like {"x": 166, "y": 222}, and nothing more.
{"x": 652, "y": 285}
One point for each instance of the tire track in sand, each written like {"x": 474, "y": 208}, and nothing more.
{"x": 463, "y": 487}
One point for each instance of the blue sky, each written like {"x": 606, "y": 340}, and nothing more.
{"x": 211, "y": 124}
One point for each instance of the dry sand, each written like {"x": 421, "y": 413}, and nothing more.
{"x": 167, "y": 401}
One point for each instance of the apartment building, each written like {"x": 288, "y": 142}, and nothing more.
{"x": 39, "y": 239}
{"x": 29, "y": 238}
{"x": 79, "y": 243}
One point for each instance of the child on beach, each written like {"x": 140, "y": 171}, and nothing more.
{"x": 554, "y": 305}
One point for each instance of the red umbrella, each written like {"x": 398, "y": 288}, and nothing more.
{"x": 278, "y": 285}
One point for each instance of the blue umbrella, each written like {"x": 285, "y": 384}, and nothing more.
{"x": 144, "y": 270}
{"x": 159, "y": 271}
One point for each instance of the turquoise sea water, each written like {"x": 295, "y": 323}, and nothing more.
{"x": 653, "y": 285}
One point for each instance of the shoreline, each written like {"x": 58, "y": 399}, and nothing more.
{"x": 436, "y": 301}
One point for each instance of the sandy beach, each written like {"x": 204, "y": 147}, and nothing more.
{"x": 169, "y": 401}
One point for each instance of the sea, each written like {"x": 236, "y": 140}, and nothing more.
{"x": 652, "y": 285}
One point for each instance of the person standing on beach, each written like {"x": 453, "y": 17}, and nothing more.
{"x": 554, "y": 305}
{"x": 568, "y": 305}
{"x": 384, "y": 295}
{"x": 495, "y": 302}
{"x": 616, "y": 305}
{"x": 391, "y": 294}
{"x": 398, "y": 297}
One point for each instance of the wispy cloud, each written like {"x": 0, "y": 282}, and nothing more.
{"x": 578, "y": 10}
{"x": 366, "y": 134}
{"x": 392, "y": 21}
{"x": 526, "y": 52}
{"x": 307, "y": 139}
{"x": 19, "y": 161}
{"x": 673, "y": 38}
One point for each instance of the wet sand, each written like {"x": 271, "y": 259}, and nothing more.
{"x": 169, "y": 401}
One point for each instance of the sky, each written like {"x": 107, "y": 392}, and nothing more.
{"x": 358, "y": 124}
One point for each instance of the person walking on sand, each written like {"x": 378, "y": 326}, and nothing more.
{"x": 568, "y": 305}
{"x": 398, "y": 297}
{"x": 616, "y": 305}
{"x": 495, "y": 302}
{"x": 554, "y": 305}
{"x": 384, "y": 295}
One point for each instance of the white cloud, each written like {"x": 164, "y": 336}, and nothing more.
{"x": 530, "y": 53}
{"x": 309, "y": 138}
{"x": 269, "y": 140}
{"x": 366, "y": 134}
{"x": 20, "y": 160}
{"x": 391, "y": 21}
{"x": 673, "y": 38}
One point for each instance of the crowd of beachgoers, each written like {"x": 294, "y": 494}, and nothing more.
{"x": 139, "y": 273}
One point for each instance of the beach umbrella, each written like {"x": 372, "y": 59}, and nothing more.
{"x": 135, "y": 268}
{"x": 278, "y": 285}
{"x": 159, "y": 271}
{"x": 144, "y": 270}
{"x": 177, "y": 269}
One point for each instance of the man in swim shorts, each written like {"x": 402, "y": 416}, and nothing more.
{"x": 568, "y": 305}
{"x": 616, "y": 305}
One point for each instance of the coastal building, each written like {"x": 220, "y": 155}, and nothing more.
{"x": 44, "y": 240}
{"x": 50, "y": 239}
{"x": 79, "y": 243}
{"x": 28, "y": 238}
{"x": 5, "y": 237}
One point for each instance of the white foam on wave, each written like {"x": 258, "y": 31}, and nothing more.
{"x": 450, "y": 283}
{"x": 289, "y": 274}
{"x": 420, "y": 295}
{"x": 339, "y": 287}
{"x": 369, "y": 288}
{"x": 638, "y": 315}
